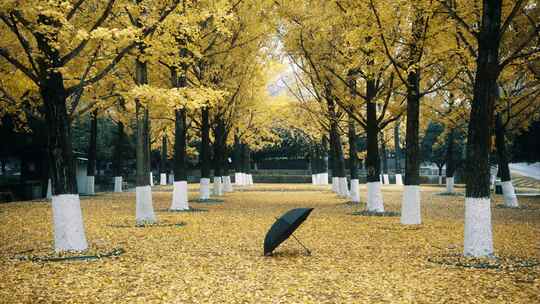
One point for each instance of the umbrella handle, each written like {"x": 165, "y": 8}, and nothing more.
{"x": 307, "y": 250}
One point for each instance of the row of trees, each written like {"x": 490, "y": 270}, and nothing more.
{"x": 175, "y": 68}
{"x": 471, "y": 68}
{"x": 183, "y": 67}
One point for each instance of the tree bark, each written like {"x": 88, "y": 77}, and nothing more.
{"x": 61, "y": 160}
{"x": 412, "y": 159}
{"x": 246, "y": 160}
{"x": 180, "y": 132}
{"x": 218, "y": 148}
{"x": 384, "y": 156}
{"x": 373, "y": 165}
{"x": 237, "y": 153}
{"x": 397, "y": 148}
{"x": 502, "y": 154}
{"x": 92, "y": 148}
{"x": 118, "y": 152}
{"x": 205, "y": 143}
{"x": 163, "y": 161}
{"x": 143, "y": 140}
{"x": 450, "y": 157}
{"x": 353, "y": 158}
{"x": 324, "y": 154}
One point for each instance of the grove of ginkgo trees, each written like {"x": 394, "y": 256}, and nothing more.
{"x": 379, "y": 61}
{"x": 184, "y": 68}
{"x": 181, "y": 59}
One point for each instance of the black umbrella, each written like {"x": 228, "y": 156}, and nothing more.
{"x": 284, "y": 227}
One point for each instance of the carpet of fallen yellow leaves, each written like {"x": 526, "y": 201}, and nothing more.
{"x": 217, "y": 257}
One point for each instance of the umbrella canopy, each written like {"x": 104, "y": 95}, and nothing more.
{"x": 284, "y": 227}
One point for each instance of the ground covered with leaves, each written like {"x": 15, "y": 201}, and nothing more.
{"x": 216, "y": 257}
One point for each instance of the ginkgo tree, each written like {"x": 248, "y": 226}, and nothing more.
{"x": 496, "y": 34}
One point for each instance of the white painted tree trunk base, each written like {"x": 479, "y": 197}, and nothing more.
{"x": 180, "y": 196}
{"x": 241, "y": 179}
{"x": 324, "y": 178}
{"x": 478, "y": 235}
{"x": 314, "y": 179}
{"x": 68, "y": 223}
{"x": 399, "y": 180}
{"x": 170, "y": 181}
{"x": 151, "y": 179}
{"x": 355, "y": 191}
{"x": 440, "y": 179}
{"x": 450, "y": 184}
{"x": 163, "y": 179}
{"x": 90, "y": 185}
{"x": 343, "y": 187}
{"x": 374, "y": 197}
{"x": 144, "y": 209}
{"x": 227, "y": 185}
{"x": 237, "y": 177}
{"x": 250, "y": 179}
{"x": 410, "y": 206}
{"x": 118, "y": 184}
{"x": 218, "y": 186}
{"x": 334, "y": 184}
{"x": 386, "y": 180}
{"x": 509, "y": 193}
{"x": 319, "y": 178}
{"x": 49, "y": 189}
{"x": 204, "y": 191}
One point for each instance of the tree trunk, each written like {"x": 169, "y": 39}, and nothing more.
{"x": 92, "y": 153}
{"x": 163, "y": 167}
{"x": 324, "y": 154}
{"x": 450, "y": 157}
{"x": 67, "y": 216}
{"x": 384, "y": 155}
{"x": 61, "y": 158}
{"x": 373, "y": 164}
{"x": 354, "y": 186}
{"x": 450, "y": 162}
{"x": 412, "y": 156}
{"x": 118, "y": 152}
{"x": 218, "y": 151}
{"x": 205, "y": 155}
{"x": 218, "y": 156}
{"x": 144, "y": 209}
{"x": 339, "y": 179}
{"x": 142, "y": 121}
{"x": 118, "y": 156}
{"x": 180, "y": 146}
{"x": 143, "y": 164}
{"x": 397, "y": 148}
{"x": 246, "y": 160}
{"x": 353, "y": 158}
{"x": 510, "y": 198}
{"x": 163, "y": 161}
{"x": 478, "y": 235}
{"x": 237, "y": 153}
{"x": 502, "y": 154}
{"x": 92, "y": 146}
{"x": 205, "y": 144}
